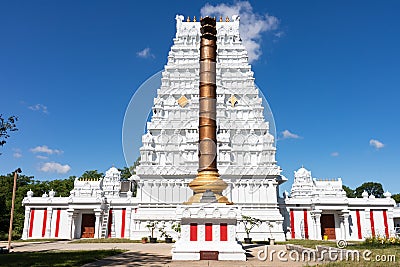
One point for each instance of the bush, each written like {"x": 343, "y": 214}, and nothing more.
{"x": 381, "y": 241}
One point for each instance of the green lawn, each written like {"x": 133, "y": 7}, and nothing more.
{"x": 105, "y": 240}
{"x": 385, "y": 255}
{"x": 309, "y": 243}
{"x": 59, "y": 258}
{"x": 41, "y": 240}
{"x": 388, "y": 257}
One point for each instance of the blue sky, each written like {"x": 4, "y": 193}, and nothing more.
{"x": 330, "y": 71}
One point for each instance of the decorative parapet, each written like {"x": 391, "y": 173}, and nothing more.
{"x": 89, "y": 179}
{"x": 188, "y": 27}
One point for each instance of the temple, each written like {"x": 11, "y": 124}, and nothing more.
{"x": 150, "y": 202}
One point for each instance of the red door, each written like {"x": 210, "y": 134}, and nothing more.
{"x": 328, "y": 226}
{"x": 87, "y": 228}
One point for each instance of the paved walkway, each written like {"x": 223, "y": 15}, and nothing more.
{"x": 149, "y": 254}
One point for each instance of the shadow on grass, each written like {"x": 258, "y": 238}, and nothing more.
{"x": 133, "y": 258}
{"x": 59, "y": 258}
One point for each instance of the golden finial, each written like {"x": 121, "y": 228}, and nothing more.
{"x": 194, "y": 19}
{"x": 227, "y": 19}
{"x": 220, "y": 19}
{"x": 201, "y": 17}
{"x": 188, "y": 19}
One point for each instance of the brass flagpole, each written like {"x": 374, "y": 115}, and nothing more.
{"x": 208, "y": 177}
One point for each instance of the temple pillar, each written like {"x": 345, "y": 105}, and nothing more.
{"x": 341, "y": 227}
{"x": 73, "y": 227}
{"x": 317, "y": 215}
{"x": 97, "y": 224}
{"x": 70, "y": 212}
{"x": 367, "y": 224}
{"x": 26, "y": 223}
{"x": 345, "y": 223}
{"x": 313, "y": 227}
{"x": 131, "y": 228}
{"x": 128, "y": 221}
{"x": 48, "y": 222}
{"x": 113, "y": 224}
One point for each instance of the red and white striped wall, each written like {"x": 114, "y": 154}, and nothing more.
{"x": 361, "y": 223}
{"x": 47, "y": 223}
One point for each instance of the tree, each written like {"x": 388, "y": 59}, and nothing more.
{"x": 125, "y": 173}
{"x": 133, "y": 167}
{"x": 249, "y": 223}
{"x": 152, "y": 227}
{"x": 349, "y": 191}
{"x": 396, "y": 197}
{"x": 371, "y": 188}
{"x": 24, "y": 184}
{"x": 7, "y": 126}
{"x": 6, "y": 185}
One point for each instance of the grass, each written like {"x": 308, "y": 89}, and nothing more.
{"x": 40, "y": 240}
{"x": 309, "y": 243}
{"x": 382, "y": 252}
{"x": 111, "y": 240}
{"x": 105, "y": 240}
{"x": 388, "y": 257}
{"x": 58, "y": 258}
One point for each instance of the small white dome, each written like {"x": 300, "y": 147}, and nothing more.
{"x": 364, "y": 194}
{"x": 112, "y": 171}
{"x": 387, "y": 194}
{"x": 302, "y": 172}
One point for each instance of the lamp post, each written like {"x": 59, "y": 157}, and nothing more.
{"x": 12, "y": 207}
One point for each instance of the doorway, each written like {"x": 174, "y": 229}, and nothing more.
{"x": 87, "y": 227}
{"x": 328, "y": 226}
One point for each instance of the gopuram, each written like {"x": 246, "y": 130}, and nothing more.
{"x": 176, "y": 194}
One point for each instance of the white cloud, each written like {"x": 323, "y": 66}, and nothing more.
{"x": 279, "y": 34}
{"x": 46, "y": 149}
{"x": 145, "y": 53}
{"x": 335, "y": 154}
{"x": 55, "y": 167}
{"x": 252, "y": 24}
{"x": 377, "y": 144}
{"x": 17, "y": 153}
{"x": 41, "y": 157}
{"x": 286, "y": 134}
{"x": 39, "y": 107}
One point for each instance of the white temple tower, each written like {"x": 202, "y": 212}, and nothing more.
{"x": 246, "y": 148}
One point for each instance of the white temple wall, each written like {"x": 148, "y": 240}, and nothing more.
{"x": 119, "y": 223}
{"x": 64, "y": 231}
{"x": 137, "y": 219}
{"x": 252, "y": 191}
{"x": 298, "y": 216}
{"x": 46, "y": 223}
{"x": 163, "y": 191}
{"x": 347, "y": 226}
{"x": 353, "y": 229}
{"x": 37, "y": 223}
{"x": 163, "y": 215}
